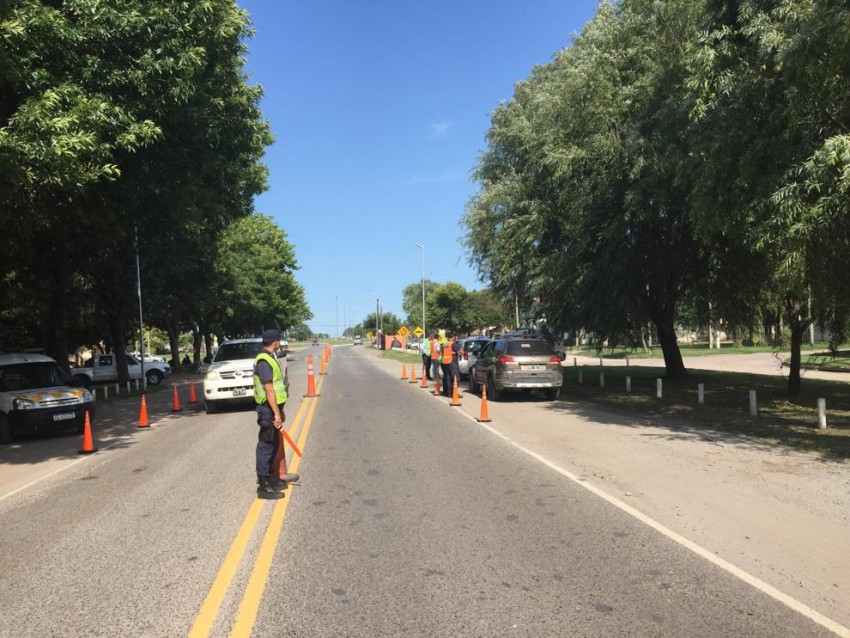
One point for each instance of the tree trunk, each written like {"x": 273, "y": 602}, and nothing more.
{"x": 670, "y": 347}
{"x": 119, "y": 347}
{"x": 798, "y": 321}
{"x": 172, "y": 326}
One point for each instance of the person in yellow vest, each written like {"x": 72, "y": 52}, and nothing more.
{"x": 270, "y": 397}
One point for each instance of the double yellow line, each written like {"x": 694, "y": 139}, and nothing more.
{"x": 248, "y": 608}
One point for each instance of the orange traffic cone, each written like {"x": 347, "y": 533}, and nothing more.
{"x": 412, "y": 374}
{"x": 176, "y": 407}
{"x": 485, "y": 417}
{"x": 311, "y": 379}
{"x": 324, "y": 366}
{"x": 404, "y": 372}
{"x": 455, "y": 399}
{"x": 88, "y": 444}
{"x": 193, "y": 398}
{"x": 424, "y": 383}
{"x": 143, "y": 415}
{"x": 437, "y": 385}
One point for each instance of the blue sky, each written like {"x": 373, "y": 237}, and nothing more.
{"x": 379, "y": 110}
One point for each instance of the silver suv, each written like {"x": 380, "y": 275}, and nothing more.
{"x": 229, "y": 378}
{"x": 512, "y": 363}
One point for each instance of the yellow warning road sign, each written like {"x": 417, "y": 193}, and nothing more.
{"x": 403, "y": 331}
{"x": 418, "y": 331}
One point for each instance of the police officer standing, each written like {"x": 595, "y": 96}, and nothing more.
{"x": 270, "y": 396}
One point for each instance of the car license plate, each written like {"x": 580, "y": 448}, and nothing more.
{"x": 532, "y": 367}
{"x": 239, "y": 392}
{"x": 64, "y": 416}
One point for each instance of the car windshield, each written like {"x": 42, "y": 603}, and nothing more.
{"x": 236, "y": 351}
{"x": 529, "y": 348}
{"x": 25, "y": 376}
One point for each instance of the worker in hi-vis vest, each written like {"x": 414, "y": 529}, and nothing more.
{"x": 270, "y": 397}
{"x": 436, "y": 356}
{"x": 448, "y": 364}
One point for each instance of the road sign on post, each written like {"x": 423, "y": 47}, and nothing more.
{"x": 418, "y": 331}
{"x": 403, "y": 331}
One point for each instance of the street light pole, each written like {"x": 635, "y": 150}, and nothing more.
{"x": 424, "y": 332}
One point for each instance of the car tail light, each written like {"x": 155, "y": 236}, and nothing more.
{"x": 507, "y": 360}
{"x": 554, "y": 359}
{"x": 466, "y": 356}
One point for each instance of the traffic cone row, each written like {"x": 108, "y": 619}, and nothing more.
{"x": 403, "y": 371}
{"x": 176, "y": 401}
{"x": 412, "y": 374}
{"x": 485, "y": 416}
{"x": 455, "y": 398}
{"x": 424, "y": 383}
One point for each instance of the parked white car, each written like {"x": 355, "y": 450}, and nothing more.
{"x": 229, "y": 379}
{"x": 36, "y": 396}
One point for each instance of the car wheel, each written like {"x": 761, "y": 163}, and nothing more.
{"x": 473, "y": 387}
{"x": 154, "y": 377}
{"x": 553, "y": 393}
{"x": 210, "y": 407}
{"x": 5, "y": 429}
{"x": 492, "y": 391}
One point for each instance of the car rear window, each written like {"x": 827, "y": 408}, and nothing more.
{"x": 529, "y": 347}
{"x": 474, "y": 346}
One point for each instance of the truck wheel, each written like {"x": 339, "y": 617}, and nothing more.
{"x": 210, "y": 407}
{"x": 5, "y": 429}
{"x": 154, "y": 377}
{"x": 553, "y": 393}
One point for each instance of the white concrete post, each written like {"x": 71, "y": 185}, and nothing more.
{"x": 628, "y": 384}
{"x": 658, "y": 388}
{"x": 627, "y": 361}
{"x": 575, "y": 362}
{"x": 117, "y": 389}
{"x": 137, "y": 385}
{"x": 128, "y": 387}
{"x": 600, "y": 362}
{"x": 821, "y": 414}
{"x": 106, "y": 392}
{"x": 601, "y": 379}
{"x": 580, "y": 376}
{"x": 754, "y": 406}
{"x": 700, "y": 393}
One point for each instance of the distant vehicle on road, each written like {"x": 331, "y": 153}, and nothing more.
{"x": 36, "y": 396}
{"x": 358, "y": 340}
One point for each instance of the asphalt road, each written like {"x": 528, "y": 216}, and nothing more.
{"x": 410, "y": 520}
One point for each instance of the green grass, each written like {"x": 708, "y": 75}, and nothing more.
{"x": 782, "y": 420}
{"x": 689, "y": 350}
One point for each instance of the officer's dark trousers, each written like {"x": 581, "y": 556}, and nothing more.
{"x": 268, "y": 440}
{"x": 426, "y": 363}
{"x": 454, "y": 375}
{"x": 447, "y": 379}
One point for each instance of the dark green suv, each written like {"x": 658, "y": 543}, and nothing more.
{"x": 516, "y": 363}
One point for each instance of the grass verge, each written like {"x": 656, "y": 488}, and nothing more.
{"x": 782, "y": 420}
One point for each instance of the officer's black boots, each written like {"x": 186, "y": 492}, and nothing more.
{"x": 266, "y": 489}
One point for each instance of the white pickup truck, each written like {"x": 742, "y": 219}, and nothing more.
{"x": 103, "y": 368}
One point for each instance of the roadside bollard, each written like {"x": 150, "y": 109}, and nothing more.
{"x": 658, "y": 388}
{"x": 628, "y": 384}
{"x": 700, "y": 393}
{"x": 754, "y": 406}
{"x": 821, "y": 414}
{"x": 580, "y": 381}
{"x": 601, "y": 379}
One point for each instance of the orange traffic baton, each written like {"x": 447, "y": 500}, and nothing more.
{"x": 290, "y": 441}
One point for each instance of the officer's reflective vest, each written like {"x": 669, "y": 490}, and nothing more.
{"x": 277, "y": 380}
{"x": 435, "y": 349}
{"x": 447, "y": 352}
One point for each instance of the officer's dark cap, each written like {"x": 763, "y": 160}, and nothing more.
{"x": 270, "y": 336}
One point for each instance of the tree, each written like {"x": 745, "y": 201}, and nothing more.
{"x": 256, "y": 267}
{"x": 411, "y": 302}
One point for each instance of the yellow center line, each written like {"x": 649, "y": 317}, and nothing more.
{"x": 250, "y": 605}
{"x": 209, "y": 610}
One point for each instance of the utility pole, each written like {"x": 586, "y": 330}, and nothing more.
{"x": 424, "y": 332}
